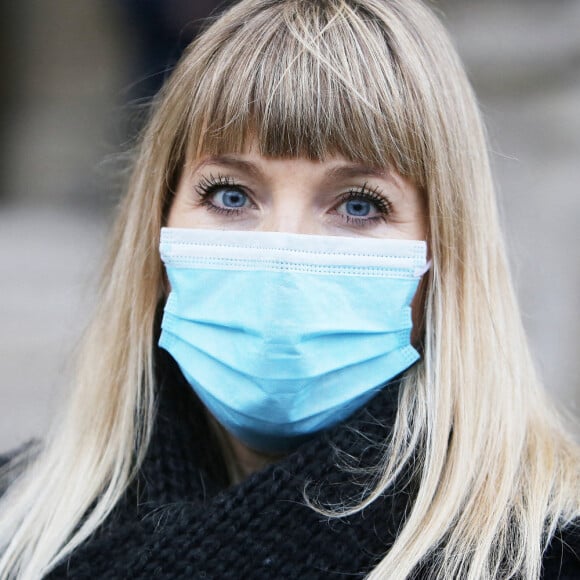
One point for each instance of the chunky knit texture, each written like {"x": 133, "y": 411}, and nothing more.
{"x": 180, "y": 519}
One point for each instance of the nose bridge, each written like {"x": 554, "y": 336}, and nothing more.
{"x": 290, "y": 211}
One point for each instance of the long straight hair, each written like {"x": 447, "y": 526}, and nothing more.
{"x": 378, "y": 82}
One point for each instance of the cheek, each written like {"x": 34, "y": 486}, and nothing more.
{"x": 175, "y": 204}
{"x": 183, "y": 210}
{"x": 178, "y": 207}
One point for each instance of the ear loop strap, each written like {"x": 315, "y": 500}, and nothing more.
{"x": 421, "y": 271}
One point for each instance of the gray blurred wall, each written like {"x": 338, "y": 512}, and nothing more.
{"x": 67, "y": 74}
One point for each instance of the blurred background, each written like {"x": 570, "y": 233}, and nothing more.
{"x": 76, "y": 79}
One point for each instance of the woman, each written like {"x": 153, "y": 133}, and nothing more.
{"x": 320, "y": 167}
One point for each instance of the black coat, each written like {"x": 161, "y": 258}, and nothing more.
{"x": 181, "y": 519}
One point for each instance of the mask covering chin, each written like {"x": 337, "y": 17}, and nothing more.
{"x": 283, "y": 335}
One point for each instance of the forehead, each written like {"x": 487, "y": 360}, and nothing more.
{"x": 253, "y": 163}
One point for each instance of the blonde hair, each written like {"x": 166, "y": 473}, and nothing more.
{"x": 376, "y": 81}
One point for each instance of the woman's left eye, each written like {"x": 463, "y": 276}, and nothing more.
{"x": 358, "y": 207}
{"x": 363, "y": 207}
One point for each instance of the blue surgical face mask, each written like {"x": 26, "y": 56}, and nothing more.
{"x": 283, "y": 335}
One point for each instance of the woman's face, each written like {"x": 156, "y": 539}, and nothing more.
{"x": 332, "y": 197}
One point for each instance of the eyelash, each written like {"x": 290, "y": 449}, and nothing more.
{"x": 382, "y": 204}
{"x": 208, "y": 186}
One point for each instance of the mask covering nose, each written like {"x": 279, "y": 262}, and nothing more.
{"x": 283, "y": 335}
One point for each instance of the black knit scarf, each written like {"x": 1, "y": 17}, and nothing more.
{"x": 180, "y": 519}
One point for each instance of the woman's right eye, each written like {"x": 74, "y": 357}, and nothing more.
{"x": 222, "y": 195}
{"x": 229, "y": 198}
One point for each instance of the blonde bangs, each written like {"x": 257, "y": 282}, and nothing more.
{"x": 301, "y": 88}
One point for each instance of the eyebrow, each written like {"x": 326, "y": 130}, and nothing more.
{"x": 356, "y": 170}
{"x": 232, "y": 162}
{"x": 344, "y": 171}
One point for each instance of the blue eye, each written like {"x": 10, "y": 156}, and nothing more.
{"x": 364, "y": 207}
{"x": 224, "y": 196}
{"x": 230, "y": 198}
{"x": 358, "y": 207}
